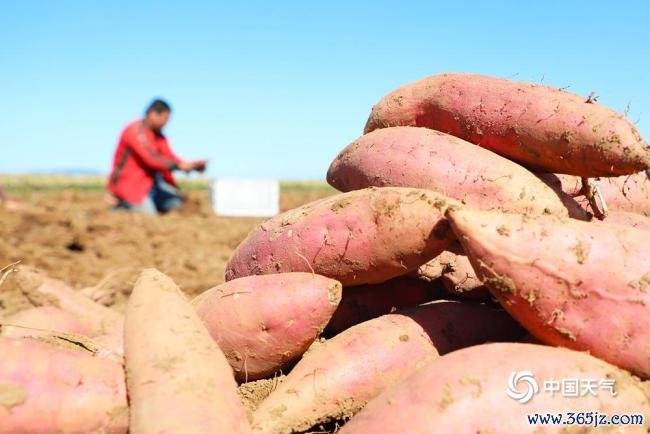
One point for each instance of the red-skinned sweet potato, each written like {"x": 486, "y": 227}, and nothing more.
{"x": 42, "y": 318}
{"x": 262, "y": 323}
{"x": 539, "y": 126}
{"x": 465, "y": 393}
{"x": 424, "y": 158}
{"x": 337, "y": 378}
{"x": 582, "y": 285}
{"x": 48, "y": 389}
{"x": 99, "y": 322}
{"x": 364, "y": 236}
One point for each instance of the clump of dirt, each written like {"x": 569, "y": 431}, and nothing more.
{"x": 12, "y": 395}
{"x": 254, "y": 392}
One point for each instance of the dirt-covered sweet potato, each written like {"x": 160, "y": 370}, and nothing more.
{"x": 59, "y": 389}
{"x": 34, "y": 289}
{"x": 581, "y": 285}
{"x": 539, "y": 126}
{"x": 48, "y": 318}
{"x": 425, "y": 158}
{"x": 178, "y": 379}
{"x": 262, "y": 323}
{"x": 336, "y": 379}
{"x": 465, "y": 392}
{"x": 364, "y": 236}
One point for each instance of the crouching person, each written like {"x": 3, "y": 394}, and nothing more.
{"x": 141, "y": 178}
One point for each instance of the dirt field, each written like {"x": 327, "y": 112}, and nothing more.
{"x": 67, "y": 230}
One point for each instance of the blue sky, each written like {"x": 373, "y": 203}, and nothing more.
{"x": 276, "y": 89}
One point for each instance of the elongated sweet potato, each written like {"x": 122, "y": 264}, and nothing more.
{"x": 364, "y": 236}
{"x": 536, "y": 125}
{"x": 624, "y": 193}
{"x": 582, "y": 285}
{"x": 45, "y": 389}
{"x": 41, "y": 318}
{"x": 465, "y": 393}
{"x": 178, "y": 380}
{"x": 261, "y": 323}
{"x": 424, "y": 158}
{"x": 364, "y": 302}
{"x": 35, "y": 289}
{"x": 337, "y": 378}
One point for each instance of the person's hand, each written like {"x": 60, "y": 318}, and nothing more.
{"x": 200, "y": 165}
{"x": 188, "y": 166}
{"x": 185, "y": 166}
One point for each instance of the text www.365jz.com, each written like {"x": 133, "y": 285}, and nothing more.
{"x": 591, "y": 418}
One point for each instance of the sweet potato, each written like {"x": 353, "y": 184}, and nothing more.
{"x": 336, "y": 379}
{"x": 465, "y": 393}
{"x": 536, "y": 125}
{"x": 461, "y": 280}
{"x": 361, "y": 303}
{"x": 582, "y": 285}
{"x": 424, "y": 158}
{"x": 37, "y": 289}
{"x": 25, "y": 322}
{"x": 453, "y": 325}
{"x": 178, "y": 380}
{"x": 624, "y": 193}
{"x": 579, "y": 207}
{"x": 455, "y": 273}
{"x": 364, "y": 236}
{"x": 262, "y": 323}
{"x": 629, "y": 219}
{"x": 45, "y": 389}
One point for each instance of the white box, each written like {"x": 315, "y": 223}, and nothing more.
{"x": 240, "y": 197}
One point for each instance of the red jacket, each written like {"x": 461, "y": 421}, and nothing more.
{"x": 140, "y": 154}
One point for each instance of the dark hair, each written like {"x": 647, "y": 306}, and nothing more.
{"x": 159, "y": 106}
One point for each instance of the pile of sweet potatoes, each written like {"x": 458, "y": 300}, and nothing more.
{"x": 459, "y": 270}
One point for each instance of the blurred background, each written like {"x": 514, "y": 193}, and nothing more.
{"x": 276, "y": 89}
